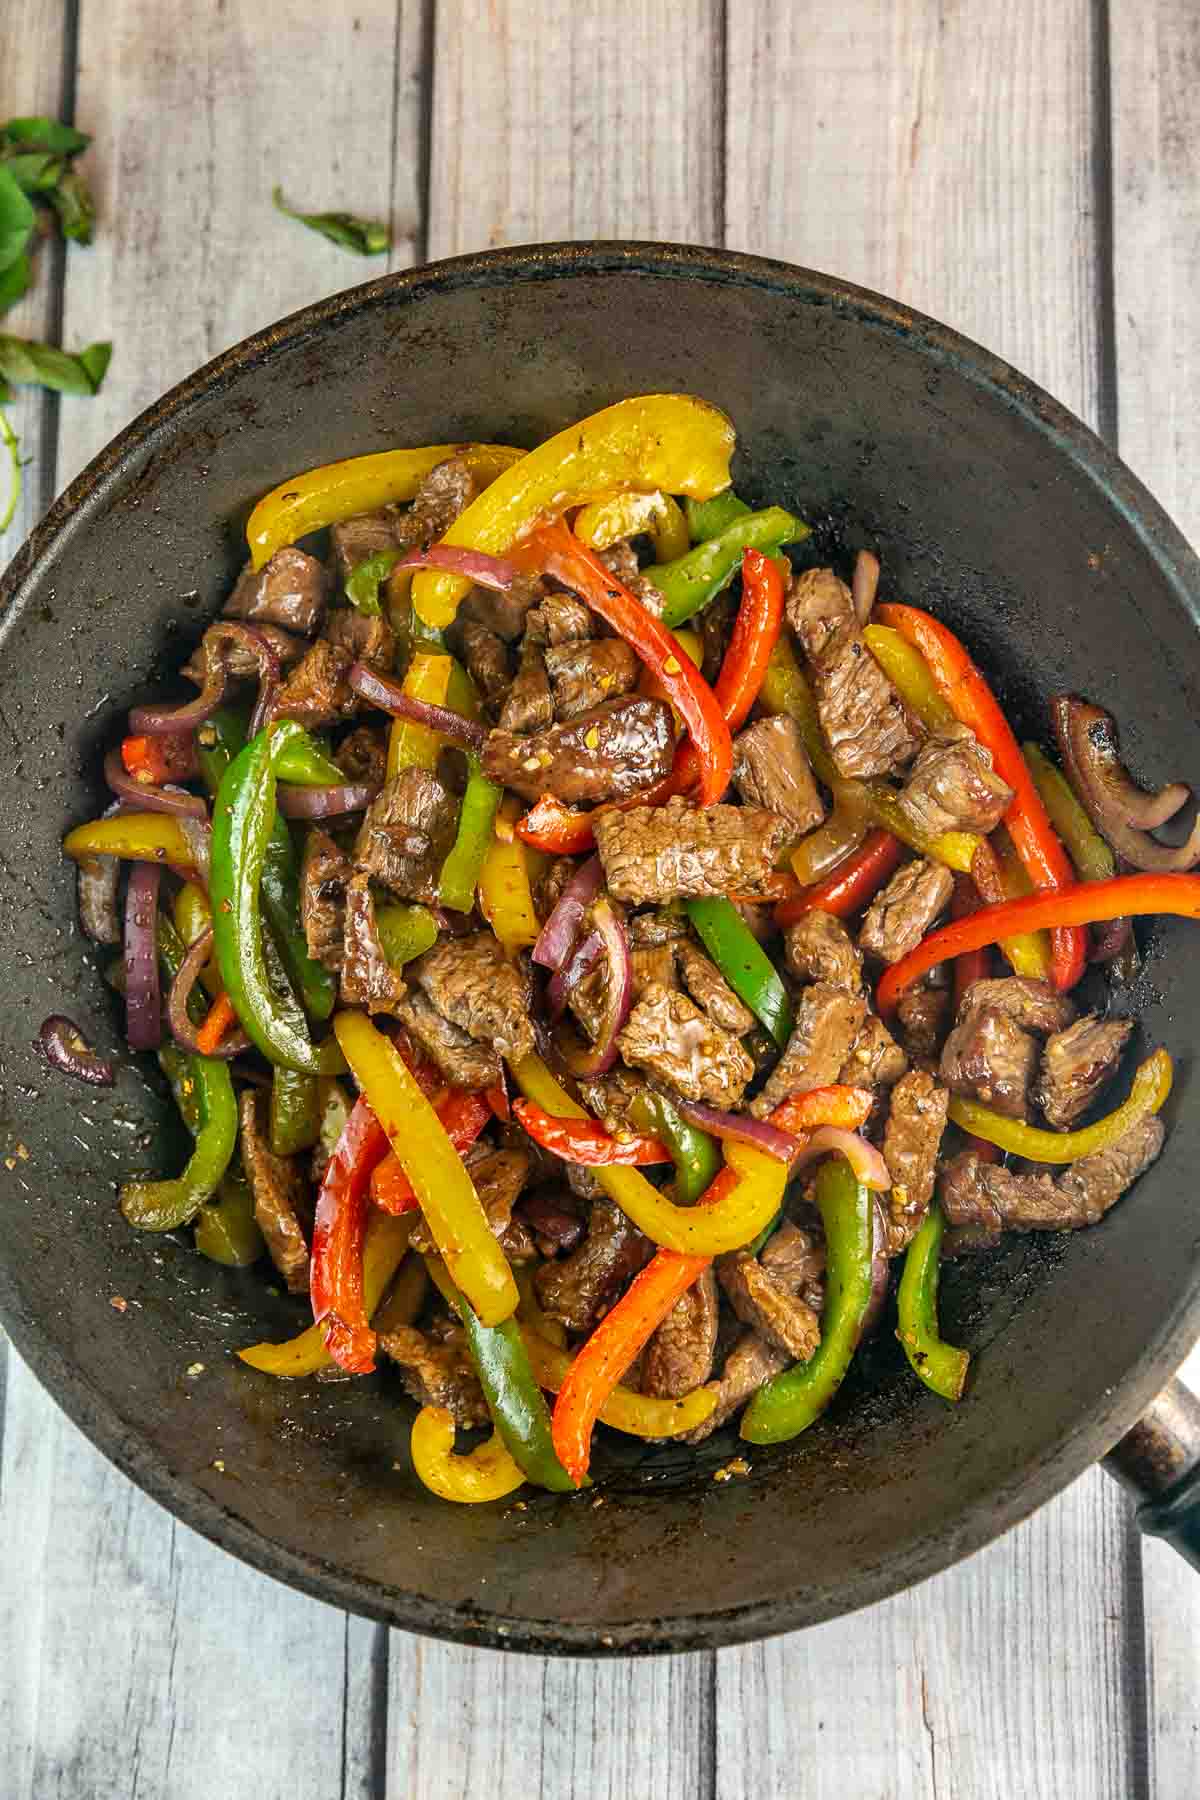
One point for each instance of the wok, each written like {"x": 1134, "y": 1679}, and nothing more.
{"x": 989, "y": 503}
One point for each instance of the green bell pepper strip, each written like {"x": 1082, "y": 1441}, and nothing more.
{"x": 939, "y": 1365}
{"x": 1093, "y": 859}
{"x": 406, "y": 930}
{"x": 295, "y": 1122}
{"x": 476, "y": 818}
{"x": 302, "y": 764}
{"x": 243, "y": 819}
{"x": 744, "y": 964}
{"x": 691, "y": 581}
{"x": 709, "y": 518}
{"x": 226, "y": 1231}
{"x": 696, "y": 1155}
{"x": 513, "y": 1397}
{"x": 176, "y": 1065}
{"x": 366, "y": 578}
{"x": 789, "y": 1403}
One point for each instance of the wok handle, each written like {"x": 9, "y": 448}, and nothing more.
{"x": 1159, "y": 1462}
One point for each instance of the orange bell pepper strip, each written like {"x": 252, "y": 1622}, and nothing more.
{"x": 848, "y": 887}
{"x": 464, "y": 1116}
{"x": 584, "y": 1141}
{"x": 971, "y": 699}
{"x": 220, "y": 1017}
{"x": 847, "y": 1107}
{"x": 339, "y": 1233}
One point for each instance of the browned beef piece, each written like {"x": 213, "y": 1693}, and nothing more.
{"x": 368, "y": 978}
{"x": 716, "y": 625}
{"x": 289, "y": 590}
{"x": 363, "y": 755}
{"x": 364, "y": 639}
{"x": 661, "y": 852}
{"x": 898, "y": 918}
{"x": 953, "y": 787}
{"x": 621, "y": 560}
{"x": 657, "y": 925}
{"x": 610, "y": 1097}
{"x": 653, "y": 963}
{"x": 924, "y": 1014}
{"x": 548, "y": 888}
{"x": 828, "y": 1021}
{"x": 528, "y": 705}
{"x": 444, "y": 493}
{"x": 240, "y": 662}
{"x": 668, "y": 1035}
{"x": 352, "y": 541}
{"x": 761, "y": 1298}
{"x": 316, "y": 693}
{"x": 324, "y": 872}
{"x": 437, "y": 1374}
{"x": 749, "y": 1365}
{"x": 587, "y": 1000}
{"x": 462, "y": 1061}
{"x": 866, "y": 723}
{"x": 819, "y": 948}
{"x": 1076, "y": 1065}
{"x": 875, "y": 1059}
{"x": 988, "y": 1057}
{"x": 499, "y": 1176}
{"x": 584, "y": 675}
{"x": 771, "y": 769}
{"x": 407, "y": 833}
{"x": 559, "y": 619}
{"x": 555, "y": 1219}
{"x": 915, "y": 1125}
{"x": 582, "y": 1287}
{"x": 997, "y": 1199}
{"x": 279, "y": 1194}
{"x": 709, "y": 989}
{"x": 505, "y": 613}
{"x": 818, "y": 606}
{"x": 679, "y": 1354}
{"x": 486, "y": 656}
{"x": 606, "y": 754}
{"x": 1033, "y": 1005}
{"x": 796, "y": 1259}
{"x": 472, "y": 984}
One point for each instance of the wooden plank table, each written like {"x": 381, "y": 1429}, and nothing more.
{"x": 1029, "y": 172}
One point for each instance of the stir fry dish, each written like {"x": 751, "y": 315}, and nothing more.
{"x": 604, "y": 960}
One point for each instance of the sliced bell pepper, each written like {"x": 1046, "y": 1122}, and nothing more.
{"x": 605, "y": 522}
{"x": 140, "y": 837}
{"x": 1000, "y": 874}
{"x": 485, "y": 1473}
{"x": 226, "y": 1229}
{"x": 339, "y": 1235}
{"x": 456, "y": 1220}
{"x": 1093, "y": 859}
{"x": 973, "y": 965}
{"x": 406, "y": 930}
{"x": 909, "y": 674}
{"x": 340, "y": 490}
{"x": 463, "y": 1116}
{"x": 670, "y": 443}
{"x": 365, "y": 579}
{"x": 852, "y": 885}
{"x": 963, "y": 686}
{"x": 708, "y": 518}
{"x": 696, "y": 1155}
{"x": 220, "y": 1017}
{"x": 696, "y": 578}
{"x": 505, "y": 897}
{"x": 822, "y": 852}
{"x": 940, "y": 1366}
{"x": 837, "y": 1104}
{"x": 585, "y": 1142}
{"x": 638, "y": 1415}
{"x": 156, "y": 760}
{"x": 385, "y": 1249}
{"x": 744, "y": 964}
{"x": 558, "y": 829}
{"x": 476, "y": 824}
{"x": 411, "y": 745}
{"x": 1087, "y": 903}
{"x": 1151, "y": 1085}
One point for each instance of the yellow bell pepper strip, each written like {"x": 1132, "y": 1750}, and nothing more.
{"x": 406, "y": 930}
{"x": 637, "y": 1415}
{"x": 1028, "y": 952}
{"x": 693, "y": 580}
{"x": 226, "y": 1231}
{"x": 487, "y": 1473}
{"x": 444, "y": 1190}
{"x": 505, "y": 897}
{"x": 1151, "y": 1085}
{"x": 940, "y": 1366}
{"x": 411, "y": 745}
{"x": 340, "y": 490}
{"x": 708, "y": 518}
{"x": 669, "y": 443}
{"x": 383, "y": 1252}
{"x": 1093, "y": 859}
{"x": 141, "y": 837}
{"x": 605, "y": 522}
{"x": 909, "y": 674}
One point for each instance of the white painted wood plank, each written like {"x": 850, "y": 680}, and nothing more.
{"x": 942, "y": 155}
{"x": 1155, "y": 62}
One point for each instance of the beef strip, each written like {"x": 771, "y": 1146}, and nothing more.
{"x": 866, "y": 724}
{"x": 819, "y": 948}
{"x": 876, "y": 1059}
{"x": 668, "y": 1035}
{"x": 290, "y": 590}
{"x": 587, "y": 1000}
{"x": 761, "y": 1298}
{"x": 443, "y": 494}
{"x": 818, "y": 606}
{"x": 486, "y": 656}
{"x": 352, "y": 541}
{"x": 953, "y": 787}
{"x": 368, "y": 978}
{"x": 437, "y": 1374}
{"x": 653, "y": 963}
{"x": 554, "y": 1219}
{"x": 548, "y": 887}
{"x": 606, "y": 754}
{"x": 504, "y": 613}
{"x": 499, "y": 1177}
{"x": 586, "y": 674}
{"x": 1076, "y": 1065}
{"x": 620, "y": 559}
{"x": 406, "y": 834}
{"x": 324, "y": 872}
{"x": 749, "y": 1365}
{"x": 610, "y": 1098}
{"x": 679, "y": 1354}
{"x": 1033, "y": 1005}
{"x": 240, "y": 662}
{"x": 911, "y": 1140}
{"x": 709, "y": 989}
{"x": 796, "y": 1259}
{"x": 362, "y": 638}
{"x": 580, "y": 1288}
{"x": 987, "y": 1195}
{"x": 924, "y": 1014}
{"x": 989, "y": 1057}
{"x": 771, "y": 769}
{"x": 316, "y": 693}
{"x": 363, "y": 755}
{"x": 716, "y": 626}
{"x": 661, "y": 852}
{"x": 827, "y": 1023}
{"x": 473, "y": 984}
{"x": 559, "y": 619}
{"x": 898, "y": 918}
{"x": 463, "y": 1062}
{"x": 279, "y": 1194}
{"x": 528, "y": 705}
{"x": 657, "y": 925}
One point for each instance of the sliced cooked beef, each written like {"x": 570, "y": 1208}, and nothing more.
{"x": 368, "y": 978}
{"x": 499, "y": 1176}
{"x": 610, "y": 1098}
{"x": 915, "y": 1125}
{"x": 289, "y": 590}
{"x": 988, "y": 1057}
{"x": 559, "y": 619}
{"x": 620, "y": 559}
{"x": 818, "y": 606}
{"x": 749, "y": 1365}
{"x": 580, "y": 1288}
{"x": 584, "y": 675}
{"x": 924, "y": 1014}
{"x": 668, "y": 1035}
{"x": 1033, "y": 1005}
{"x": 953, "y": 787}
{"x": 548, "y": 887}
{"x": 486, "y": 656}
{"x": 819, "y": 948}
{"x": 661, "y": 852}
{"x": 653, "y": 963}
{"x": 709, "y": 989}
{"x": 554, "y": 1218}
{"x": 239, "y": 661}
{"x": 324, "y": 872}
{"x": 1076, "y": 1065}
{"x": 505, "y": 613}
{"x": 716, "y": 625}
{"x": 363, "y": 755}
{"x": 876, "y": 1059}
{"x": 316, "y": 693}
{"x": 462, "y": 1061}
{"x": 587, "y": 1000}
{"x": 279, "y": 1194}
{"x": 679, "y": 1354}
{"x": 364, "y": 639}
{"x": 657, "y": 925}
{"x": 352, "y": 541}
{"x": 473, "y": 984}
{"x": 606, "y": 754}
{"x": 406, "y": 834}
{"x": 866, "y": 723}
{"x": 828, "y": 1021}
{"x": 898, "y": 918}
{"x": 796, "y": 1259}
{"x": 437, "y": 1374}
{"x": 761, "y": 1297}
{"x": 990, "y": 1196}
{"x": 528, "y": 705}
{"x": 771, "y": 769}
{"x": 444, "y": 493}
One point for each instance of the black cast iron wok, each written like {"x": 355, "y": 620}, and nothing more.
{"x": 986, "y": 501}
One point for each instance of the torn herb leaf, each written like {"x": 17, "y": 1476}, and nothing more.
{"x": 72, "y": 201}
{"x": 43, "y": 134}
{"x": 14, "y": 281}
{"x": 366, "y": 237}
{"x": 16, "y": 220}
{"x": 37, "y": 155}
{"x": 42, "y": 365}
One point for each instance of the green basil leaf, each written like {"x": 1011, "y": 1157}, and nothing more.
{"x": 36, "y": 171}
{"x": 44, "y": 134}
{"x": 95, "y": 360}
{"x": 16, "y": 220}
{"x": 363, "y": 582}
{"x": 14, "y": 281}
{"x": 366, "y": 237}
{"x": 72, "y": 201}
{"x": 43, "y": 365}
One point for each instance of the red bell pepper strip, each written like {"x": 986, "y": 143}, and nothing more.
{"x": 1084, "y": 903}
{"x": 848, "y": 888}
{"x": 155, "y": 760}
{"x": 971, "y": 699}
{"x": 557, "y": 828}
{"x": 973, "y": 965}
{"x": 498, "y": 1101}
{"x": 584, "y": 1141}
{"x": 554, "y": 550}
{"x": 847, "y": 1107}
{"x": 336, "y": 1276}
{"x": 464, "y": 1117}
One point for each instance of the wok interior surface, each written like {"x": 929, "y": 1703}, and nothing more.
{"x": 985, "y": 503}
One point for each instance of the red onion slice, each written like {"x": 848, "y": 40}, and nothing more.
{"x": 741, "y": 1128}
{"x": 198, "y": 836}
{"x": 864, "y": 1158}
{"x": 476, "y": 565}
{"x": 324, "y": 802}
{"x": 65, "y": 1048}
{"x": 147, "y": 797}
{"x": 565, "y": 980}
{"x": 143, "y": 998}
{"x": 379, "y": 690}
{"x": 558, "y": 934}
{"x": 879, "y": 1270}
{"x": 162, "y": 721}
{"x": 182, "y": 1029}
{"x": 97, "y": 898}
{"x": 1122, "y": 812}
{"x": 866, "y": 583}
{"x": 618, "y": 996}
